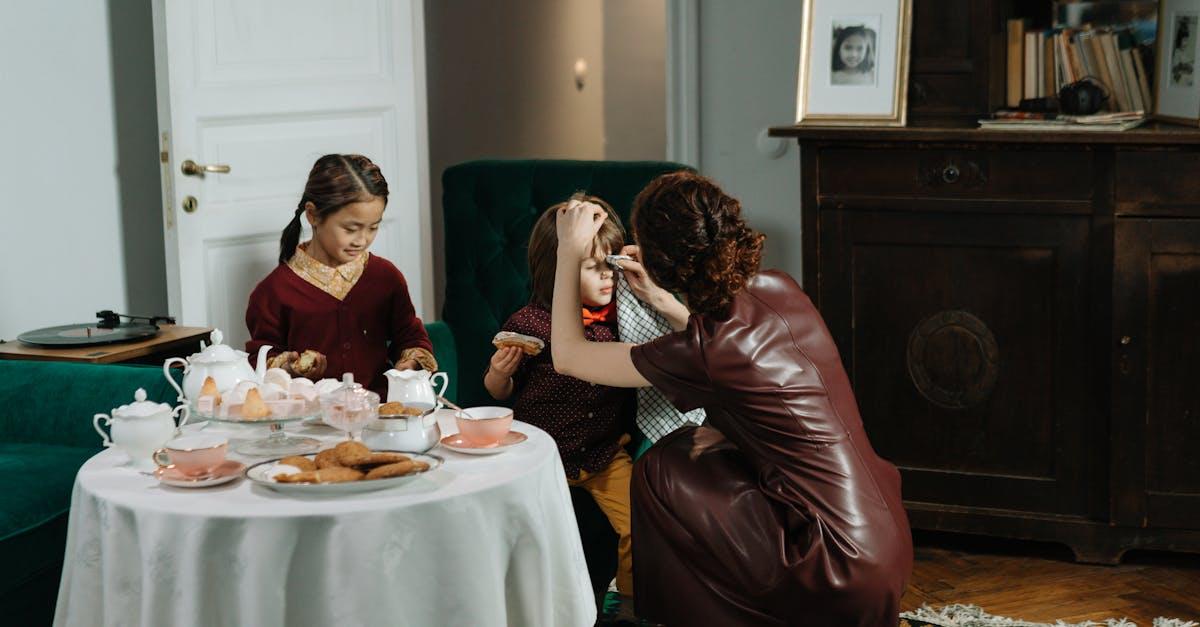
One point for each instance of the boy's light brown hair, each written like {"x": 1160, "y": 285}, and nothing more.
{"x": 543, "y": 246}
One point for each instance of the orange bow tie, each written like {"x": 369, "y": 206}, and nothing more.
{"x": 604, "y": 314}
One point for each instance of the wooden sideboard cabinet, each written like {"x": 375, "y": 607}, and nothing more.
{"x": 1019, "y": 314}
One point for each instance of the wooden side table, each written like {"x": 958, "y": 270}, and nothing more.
{"x": 171, "y": 341}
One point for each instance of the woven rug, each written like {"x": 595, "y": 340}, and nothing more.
{"x": 974, "y": 616}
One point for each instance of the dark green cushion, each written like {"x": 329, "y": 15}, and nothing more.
{"x": 489, "y": 208}
{"x": 35, "y": 483}
{"x": 53, "y": 402}
{"x": 445, "y": 354}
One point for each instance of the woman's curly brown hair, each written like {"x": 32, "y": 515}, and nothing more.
{"x": 693, "y": 240}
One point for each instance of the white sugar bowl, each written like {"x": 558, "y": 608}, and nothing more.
{"x": 414, "y": 434}
{"x": 140, "y": 428}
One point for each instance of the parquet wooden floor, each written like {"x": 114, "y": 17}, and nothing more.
{"x": 1041, "y": 582}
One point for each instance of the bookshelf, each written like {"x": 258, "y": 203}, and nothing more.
{"x": 1016, "y": 310}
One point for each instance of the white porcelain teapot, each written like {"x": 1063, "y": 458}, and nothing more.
{"x": 140, "y": 428}
{"x": 415, "y": 388}
{"x": 226, "y": 365}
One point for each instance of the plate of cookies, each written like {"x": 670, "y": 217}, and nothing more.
{"x": 349, "y": 467}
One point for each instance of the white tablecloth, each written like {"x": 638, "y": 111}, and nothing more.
{"x": 480, "y": 541}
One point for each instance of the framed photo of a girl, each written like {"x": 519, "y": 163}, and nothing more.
{"x": 854, "y": 63}
{"x": 1176, "y": 86}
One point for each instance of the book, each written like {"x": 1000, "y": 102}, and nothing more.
{"x": 1016, "y": 62}
{"x": 1030, "y": 76}
{"x": 1099, "y": 64}
{"x": 1050, "y": 75}
{"x": 1115, "y": 122}
{"x": 1112, "y": 61}
{"x": 1143, "y": 79}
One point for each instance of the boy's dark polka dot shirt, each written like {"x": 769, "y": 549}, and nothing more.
{"x": 585, "y": 420}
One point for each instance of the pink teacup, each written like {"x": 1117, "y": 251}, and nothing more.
{"x": 192, "y": 455}
{"x": 484, "y": 426}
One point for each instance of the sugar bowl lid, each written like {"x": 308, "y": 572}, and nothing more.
{"x": 140, "y": 408}
{"x": 217, "y": 352}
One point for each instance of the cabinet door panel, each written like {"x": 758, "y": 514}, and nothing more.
{"x": 1157, "y": 372}
{"x": 965, "y": 338}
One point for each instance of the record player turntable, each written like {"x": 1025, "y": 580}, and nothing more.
{"x": 108, "y": 329}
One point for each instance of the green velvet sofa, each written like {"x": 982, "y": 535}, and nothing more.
{"x": 489, "y": 208}
{"x": 46, "y": 434}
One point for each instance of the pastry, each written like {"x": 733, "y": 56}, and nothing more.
{"x": 527, "y": 343}
{"x": 279, "y": 377}
{"x": 352, "y": 453}
{"x": 283, "y": 361}
{"x": 299, "y": 461}
{"x": 210, "y": 389}
{"x": 396, "y": 408}
{"x": 254, "y": 408}
{"x": 310, "y": 364}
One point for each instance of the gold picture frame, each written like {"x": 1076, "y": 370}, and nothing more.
{"x": 897, "y": 115}
{"x": 1162, "y": 60}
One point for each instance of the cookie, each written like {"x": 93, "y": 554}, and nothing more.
{"x": 398, "y": 469}
{"x": 328, "y": 458}
{"x": 379, "y": 459}
{"x": 299, "y": 461}
{"x": 352, "y": 453}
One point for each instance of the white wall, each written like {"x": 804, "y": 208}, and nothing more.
{"x": 80, "y": 229}
{"x": 748, "y": 62}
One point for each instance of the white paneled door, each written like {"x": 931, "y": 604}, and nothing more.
{"x": 254, "y": 92}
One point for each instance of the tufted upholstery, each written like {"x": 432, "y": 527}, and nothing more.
{"x": 489, "y": 208}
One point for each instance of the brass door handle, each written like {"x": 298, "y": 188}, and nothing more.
{"x": 191, "y": 168}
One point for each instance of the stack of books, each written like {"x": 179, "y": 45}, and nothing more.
{"x": 1040, "y": 63}
{"x": 1006, "y": 120}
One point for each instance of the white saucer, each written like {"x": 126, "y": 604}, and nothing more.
{"x": 458, "y": 444}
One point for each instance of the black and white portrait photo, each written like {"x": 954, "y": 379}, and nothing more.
{"x": 1183, "y": 50}
{"x": 853, "y": 61}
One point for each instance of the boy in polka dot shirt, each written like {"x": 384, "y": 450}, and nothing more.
{"x": 587, "y": 421}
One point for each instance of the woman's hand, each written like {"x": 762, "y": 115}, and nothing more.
{"x": 577, "y": 225}
{"x": 649, "y": 292}
{"x": 643, "y": 287}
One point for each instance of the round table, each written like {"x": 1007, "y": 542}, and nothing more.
{"x": 482, "y": 540}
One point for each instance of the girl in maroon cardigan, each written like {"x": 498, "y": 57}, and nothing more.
{"x": 329, "y": 294}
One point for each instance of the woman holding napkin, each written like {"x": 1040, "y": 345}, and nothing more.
{"x": 778, "y": 511}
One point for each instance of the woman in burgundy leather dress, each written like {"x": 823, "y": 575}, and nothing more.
{"x": 778, "y": 511}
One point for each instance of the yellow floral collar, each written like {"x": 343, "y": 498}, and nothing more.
{"x": 337, "y": 282}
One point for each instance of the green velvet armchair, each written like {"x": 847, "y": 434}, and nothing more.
{"x": 489, "y": 209}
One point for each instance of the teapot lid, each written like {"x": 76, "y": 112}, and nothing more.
{"x": 217, "y": 352}
{"x": 140, "y": 408}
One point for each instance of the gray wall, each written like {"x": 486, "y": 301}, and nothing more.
{"x": 79, "y": 217}
{"x": 749, "y": 55}
{"x": 500, "y": 84}
{"x": 635, "y": 81}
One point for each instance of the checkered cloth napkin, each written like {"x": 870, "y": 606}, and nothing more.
{"x": 639, "y": 323}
